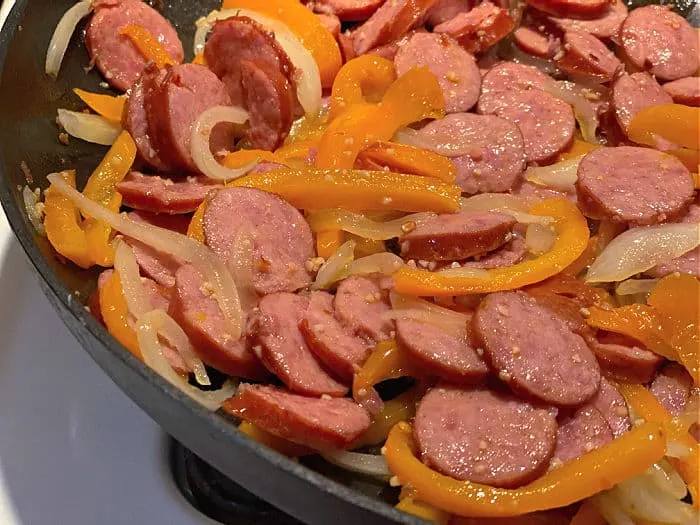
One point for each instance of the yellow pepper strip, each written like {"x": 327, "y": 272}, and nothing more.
{"x": 101, "y": 187}
{"x": 196, "y": 228}
{"x": 677, "y": 298}
{"x": 297, "y": 154}
{"x": 63, "y": 226}
{"x": 284, "y": 447}
{"x": 401, "y": 408}
{"x": 306, "y": 26}
{"x": 578, "y": 147}
{"x": 308, "y": 128}
{"x": 646, "y": 406}
{"x": 148, "y": 45}
{"x": 689, "y": 157}
{"x": 696, "y": 178}
{"x": 675, "y": 122}
{"x": 627, "y": 456}
{"x": 328, "y": 242}
{"x": 365, "y": 78}
{"x": 416, "y": 95}
{"x": 572, "y": 237}
{"x": 638, "y": 321}
{"x": 386, "y": 361}
{"x": 409, "y": 159}
{"x": 423, "y": 510}
{"x": 115, "y": 314}
{"x": 310, "y": 189}
{"x": 242, "y": 157}
{"x": 108, "y": 106}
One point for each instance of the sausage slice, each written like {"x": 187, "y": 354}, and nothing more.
{"x": 672, "y": 387}
{"x": 350, "y": 10}
{"x": 625, "y": 359}
{"x": 480, "y": 28}
{"x": 583, "y": 431}
{"x": 444, "y": 10}
{"x": 360, "y": 303}
{"x": 504, "y": 77}
{"x": 632, "y": 93}
{"x": 586, "y": 56}
{"x": 156, "y": 194}
{"x": 573, "y": 8}
{"x": 684, "y": 91}
{"x": 607, "y": 25}
{"x": 612, "y": 405}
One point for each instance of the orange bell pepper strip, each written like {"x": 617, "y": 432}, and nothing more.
{"x": 298, "y": 154}
{"x": 414, "y": 96}
{"x": 423, "y": 510}
{"x": 689, "y": 157}
{"x": 578, "y": 147}
{"x": 362, "y": 79}
{"x": 308, "y": 128}
{"x": 63, "y": 225}
{"x": 237, "y": 159}
{"x": 196, "y": 228}
{"x": 328, "y": 242}
{"x": 115, "y": 314}
{"x": 306, "y": 26}
{"x": 148, "y": 45}
{"x": 401, "y": 408}
{"x": 386, "y": 361}
{"x": 283, "y": 446}
{"x": 409, "y": 159}
{"x": 107, "y": 106}
{"x": 311, "y": 189}
{"x": 598, "y": 470}
{"x": 572, "y": 237}
{"x": 675, "y": 122}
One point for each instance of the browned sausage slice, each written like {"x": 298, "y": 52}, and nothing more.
{"x": 317, "y": 423}
{"x": 114, "y": 54}
{"x": 684, "y": 91}
{"x": 439, "y": 353}
{"x": 456, "y": 236}
{"x": 636, "y": 185}
{"x": 586, "y": 56}
{"x": 625, "y": 359}
{"x": 282, "y": 240}
{"x": 360, "y": 303}
{"x": 583, "y": 431}
{"x": 445, "y": 10}
{"x": 535, "y": 43}
{"x": 507, "y": 76}
{"x": 283, "y": 350}
{"x": 480, "y": 28}
{"x": 672, "y": 387}
{"x": 350, "y": 10}
{"x": 658, "y": 40}
{"x": 632, "y": 93}
{"x": 455, "y": 69}
{"x": 534, "y": 351}
{"x": 612, "y": 405}
{"x": 507, "y": 255}
{"x": 571, "y": 8}
{"x": 605, "y": 26}
{"x": 484, "y": 437}
{"x": 156, "y": 194}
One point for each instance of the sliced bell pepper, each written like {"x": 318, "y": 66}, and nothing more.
{"x": 386, "y": 361}
{"x": 237, "y": 159}
{"x": 98, "y": 234}
{"x": 284, "y": 447}
{"x": 115, "y": 314}
{"x": 414, "y": 96}
{"x": 107, "y": 106}
{"x": 401, "y": 408}
{"x": 585, "y": 259}
{"x": 675, "y": 122}
{"x": 423, "y": 510}
{"x": 148, "y": 45}
{"x": 63, "y": 225}
{"x": 578, "y": 147}
{"x": 299, "y": 154}
{"x": 572, "y": 237}
{"x": 354, "y": 190}
{"x": 304, "y": 24}
{"x": 565, "y": 284}
{"x": 308, "y": 128}
{"x": 362, "y": 79}
{"x": 196, "y": 228}
{"x": 328, "y": 242}
{"x": 598, "y": 470}
{"x": 409, "y": 159}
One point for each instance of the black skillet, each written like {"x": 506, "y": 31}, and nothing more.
{"x": 28, "y": 103}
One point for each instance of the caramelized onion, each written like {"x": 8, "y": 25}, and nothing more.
{"x": 89, "y": 127}
{"x": 385, "y": 263}
{"x": 561, "y": 176}
{"x": 336, "y": 267}
{"x": 369, "y": 464}
{"x": 358, "y": 224}
{"x": 584, "y": 111}
{"x": 62, "y": 35}
{"x": 504, "y": 203}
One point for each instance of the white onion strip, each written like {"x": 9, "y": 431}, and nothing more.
{"x": 584, "y": 110}
{"x": 307, "y": 77}
{"x": 639, "y": 249}
{"x": 539, "y": 239}
{"x": 369, "y": 464}
{"x": 206, "y": 261}
{"x": 385, "y": 263}
{"x": 199, "y": 143}
{"x": 561, "y": 176}
{"x": 359, "y": 225}
{"x": 89, "y": 127}
{"x": 62, "y": 35}
{"x": 504, "y": 203}
{"x": 636, "y": 286}
{"x": 444, "y": 145}
{"x": 147, "y": 336}
{"x": 34, "y": 209}
{"x": 336, "y": 267}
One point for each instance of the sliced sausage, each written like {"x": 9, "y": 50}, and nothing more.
{"x": 173, "y": 107}
{"x": 156, "y": 194}
{"x": 507, "y": 255}
{"x": 656, "y": 39}
{"x": 625, "y": 359}
{"x": 174, "y": 223}
{"x": 632, "y": 93}
{"x": 607, "y": 25}
{"x": 480, "y": 28}
{"x": 135, "y": 116}
{"x": 282, "y": 240}
{"x": 389, "y": 23}
{"x": 456, "y": 236}
{"x": 350, "y": 10}
{"x": 586, "y": 56}
{"x": 583, "y": 431}
{"x": 672, "y": 388}
{"x": 360, "y": 304}
{"x": 317, "y": 423}
{"x": 684, "y": 91}
{"x": 200, "y": 316}
{"x": 635, "y": 185}
{"x": 455, "y": 69}
{"x": 439, "y": 353}
{"x": 444, "y": 10}
{"x": 484, "y": 437}
{"x": 571, "y": 8}
{"x": 689, "y": 262}
{"x": 534, "y": 351}
{"x": 507, "y": 76}
{"x": 114, "y": 54}
{"x": 535, "y": 42}
{"x": 502, "y": 161}
{"x": 283, "y": 350}
{"x": 566, "y": 309}
{"x": 333, "y": 344}
{"x": 612, "y": 405}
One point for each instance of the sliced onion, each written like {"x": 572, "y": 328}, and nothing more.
{"x": 147, "y": 335}
{"x": 469, "y": 273}
{"x": 561, "y": 176}
{"x": 675, "y": 449}
{"x": 639, "y": 249}
{"x": 539, "y": 239}
{"x": 34, "y": 210}
{"x": 137, "y": 301}
{"x": 336, "y": 267}
{"x": 585, "y": 113}
{"x": 639, "y": 499}
{"x": 665, "y": 478}
{"x": 504, "y": 203}
{"x": 385, "y": 263}
{"x": 445, "y": 145}
{"x": 199, "y": 144}
{"x": 62, "y": 35}
{"x": 636, "y": 286}
{"x": 307, "y": 77}
{"x": 240, "y": 262}
{"x": 358, "y": 224}
{"x": 89, "y": 127}
{"x": 180, "y": 246}
{"x": 609, "y": 507}
{"x": 369, "y": 464}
